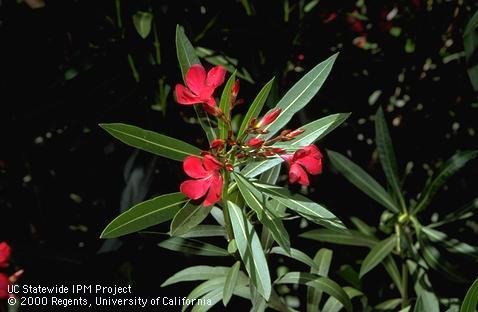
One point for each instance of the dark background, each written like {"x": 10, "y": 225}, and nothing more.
{"x": 64, "y": 69}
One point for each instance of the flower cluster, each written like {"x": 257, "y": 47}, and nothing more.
{"x": 206, "y": 171}
{"x": 5, "y": 280}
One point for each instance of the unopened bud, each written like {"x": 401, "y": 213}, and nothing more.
{"x": 269, "y": 118}
{"x": 217, "y": 144}
{"x": 255, "y": 142}
{"x": 278, "y": 150}
{"x": 296, "y": 132}
{"x": 229, "y": 167}
{"x": 285, "y": 132}
{"x": 239, "y": 156}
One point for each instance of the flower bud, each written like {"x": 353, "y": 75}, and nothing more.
{"x": 235, "y": 89}
{"x": 229, "y": 167}
{"x": 269, "y": 118}
{"x": 296, "y": 132}
{"x": 255, "y": 142}
{"x": 278, "y": 150}
{"x": 217, "y": 144}
{"x": 240, "y": 156}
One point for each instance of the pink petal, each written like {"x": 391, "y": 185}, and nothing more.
{"x": 313, "y": 150}
{"x": 214, "y": 194}
{"x": 211, "y": 163}
{"x": 185, "y": 96}
{"x": 297, "y": 174}
{"x": 215, "y": 77}
{"x": 196, "y": 78}
{"x": 313, "y": 165}
{"x": 287, "y": 157}
{"x": 195, "y": 189}
{"x": 193, "y": 167}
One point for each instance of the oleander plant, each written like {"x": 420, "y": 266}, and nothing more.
{"x": 231, "y": 195}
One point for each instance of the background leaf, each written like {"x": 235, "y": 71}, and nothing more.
{"x": 193, "y": 247}
{"x": 150, "y": 141}
{"x": 187, "y": 218}
{"x": 470, "y": 301}
{"x": 377, "y": 254}
{"x": 225, "y": 105}
{"x": 142, "y": 23}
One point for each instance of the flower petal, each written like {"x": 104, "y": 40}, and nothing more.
{"x": 215, "y": 77}
{"x": 195, "y": 189}
{"x": 193, "y": 167}
{"x": 196, "y": 78}
{"x": 313, "y": 165}
{"x": 185, "y": 96}
{"x": 211, "y": 163}
{"x": 287, "y": 157}
{"x": 214, "y": 194}
{"x": 297, "y": 174}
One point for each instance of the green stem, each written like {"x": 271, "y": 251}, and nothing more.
{"x": 156, "y": 43}
{"x": 118, "y": 13}
{"x": 405, "y": 302}
{"x": 133, "y": 67}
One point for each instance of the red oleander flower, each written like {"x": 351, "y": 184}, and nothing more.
{"x": 207, "y": 179}
{"x": 200, "y": 86}
{"x": 255, "y": 142}
{"x": 4, "y": 254}
{"x": 269, "y": 118}
{"x": 4, "y": 283}
{"x": 305, "y": 160}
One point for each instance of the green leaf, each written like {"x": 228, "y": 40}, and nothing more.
{"x": 144, "y": 215}
{"x": 387, "y": 155}
{"x": 470, "y": 43}
{"x": 193, "y": 247}
{"x": 448, "y": 169}
{"x": 315, "y": 130}
{"x": 204, "y": 288}
{"x": 333, "y": 305}
{"x": 150, "y": 141}
{"x": 349, "y": 237}
{"x": 471, "y": 299}
{"x": 225, "y": 105}
{"x": 363, "y": 227}
{"x": 300, "y": 94}
{"x": 377, "y": 254}
{"x": 297, "y": 255}
{"x": 256, "y": 107}
{"x": 322, "y": 259}
{"x": 230, "y": 284}
{"x": 450, "y": 244}
{"x": 197, "y": 273}
{"x": 435, "y": 260}
{"x": 142, "y": 23}
{"x": 205, "y": 230}
{"x": 321, "y": 283}
{"x": 362, "y": 180}
{"x": 392, "y": 270}
{"x": 423, "y": 287}
{"x": 348, "y": 274}
{"x": 250, "y": 250}
{"x": 302, "y": 205}
{"x": 187, "y": 57}
{"x": 187, "y": 218}
{"x": 419, "y": 305}
{"x": 389, "y": 304}
{"x": 255, "y": 168}
{"x": 256, "y": 201}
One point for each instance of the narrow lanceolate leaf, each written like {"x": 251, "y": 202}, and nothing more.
{"x": 316, "y": 130}
{"x": 225, "y": 105}
{"x": 447, "y": 170}
{"x": 363, "y": 227}
{"x": 349, "y": 237}
{"x": 300, "y": 94}
{"x": 255, "y": 168}
{"x": 392, "y": 270}
{"x": 302, "y": 205}
{"x": 250, "y": 250}
{"x": 435, "y": 260}
{"x": 142, "y": 23}
{"x": 193, "y": 247}
{"x": 270, "y": 176}
{"x": 387, "y": 155}
{"x": 197, "y": 273}
{"x": 471, "y": 299}
{"x": 377, "y": 254}
{"x": 150, "y": 141}
{"x": 333, "y": 305}
{"x": 256, "y": 201}
{"x": 451, "y": 244}
{"x": 389, "y": 304}
{"x": 362, "y": 180}
{"x": 423, "y": 287}
{"x": 256, "y": 107}
{"x": 205, "y": 230}
{"x": 297, "y": 255}
{"x": 187, "y": 57}
{"x": 321, "y": 283}
{"x": 187, "y": 218}
{"x": 230, "y": 284}
{"x": 322, "y": 259}
{"x": 145, "y": 214}
{"x": 203, "y": 289}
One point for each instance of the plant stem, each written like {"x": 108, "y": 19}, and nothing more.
{"x": 118, "y": 14}
{"x": 405, "y": 284}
